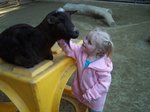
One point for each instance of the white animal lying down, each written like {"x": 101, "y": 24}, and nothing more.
{"x": 92, "y": 11}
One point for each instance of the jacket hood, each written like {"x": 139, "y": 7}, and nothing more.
{"x": 103, "y": 64}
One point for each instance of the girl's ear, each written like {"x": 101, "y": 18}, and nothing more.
{"x": 100, "y": 52}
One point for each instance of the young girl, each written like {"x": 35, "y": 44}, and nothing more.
{"x": 93, "y": 76}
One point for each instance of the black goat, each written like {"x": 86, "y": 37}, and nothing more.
{"x": 25, "y": 45}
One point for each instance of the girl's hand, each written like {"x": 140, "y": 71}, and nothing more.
{"x": 87, "y": 97}
{"x": 62, "y": 43}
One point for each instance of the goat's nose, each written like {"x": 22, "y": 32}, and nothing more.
{"x": 77, "y": 32}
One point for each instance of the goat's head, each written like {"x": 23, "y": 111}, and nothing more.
{"x": 62, "y": 24}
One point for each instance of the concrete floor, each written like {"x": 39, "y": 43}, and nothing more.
{"x": 129, "y": 91}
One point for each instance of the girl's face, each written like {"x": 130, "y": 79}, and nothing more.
{"x": 89, "y": 45}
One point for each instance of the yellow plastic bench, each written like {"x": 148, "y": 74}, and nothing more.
{"x": 38, "y": 89}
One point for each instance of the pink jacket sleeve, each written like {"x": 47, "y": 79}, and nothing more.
{"x": 101, "y": 87}
{"x": 71, "y": 51}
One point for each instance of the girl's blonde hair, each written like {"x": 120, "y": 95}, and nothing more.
{"x": 103, "y": 41}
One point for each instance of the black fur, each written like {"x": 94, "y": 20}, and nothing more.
{"x": 25, "y": 45}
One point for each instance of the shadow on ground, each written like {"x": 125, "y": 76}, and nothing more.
{"x": 129, "y": 91}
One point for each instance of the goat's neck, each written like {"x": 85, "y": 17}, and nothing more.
{"x": 47, "y": 32}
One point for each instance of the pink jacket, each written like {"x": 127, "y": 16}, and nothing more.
{"x": 90, "y": 85}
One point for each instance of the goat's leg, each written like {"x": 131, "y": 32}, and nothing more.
{"x": 49, "y": 56}
{"x": 23, "y": 61}
{"x": 28, "y": 59}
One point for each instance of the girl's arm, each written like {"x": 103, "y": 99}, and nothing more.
{"x": 71, "y": 51}
{"x": 99, "y": 88}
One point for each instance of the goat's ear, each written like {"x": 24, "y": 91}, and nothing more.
{"x": 72, "y": 12}
{"x": 52, "y": 20}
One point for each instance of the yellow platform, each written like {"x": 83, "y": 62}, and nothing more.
{"x": 38, "y": 89}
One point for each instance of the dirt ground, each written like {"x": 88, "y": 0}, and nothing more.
{"x": 129, "y": 91}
